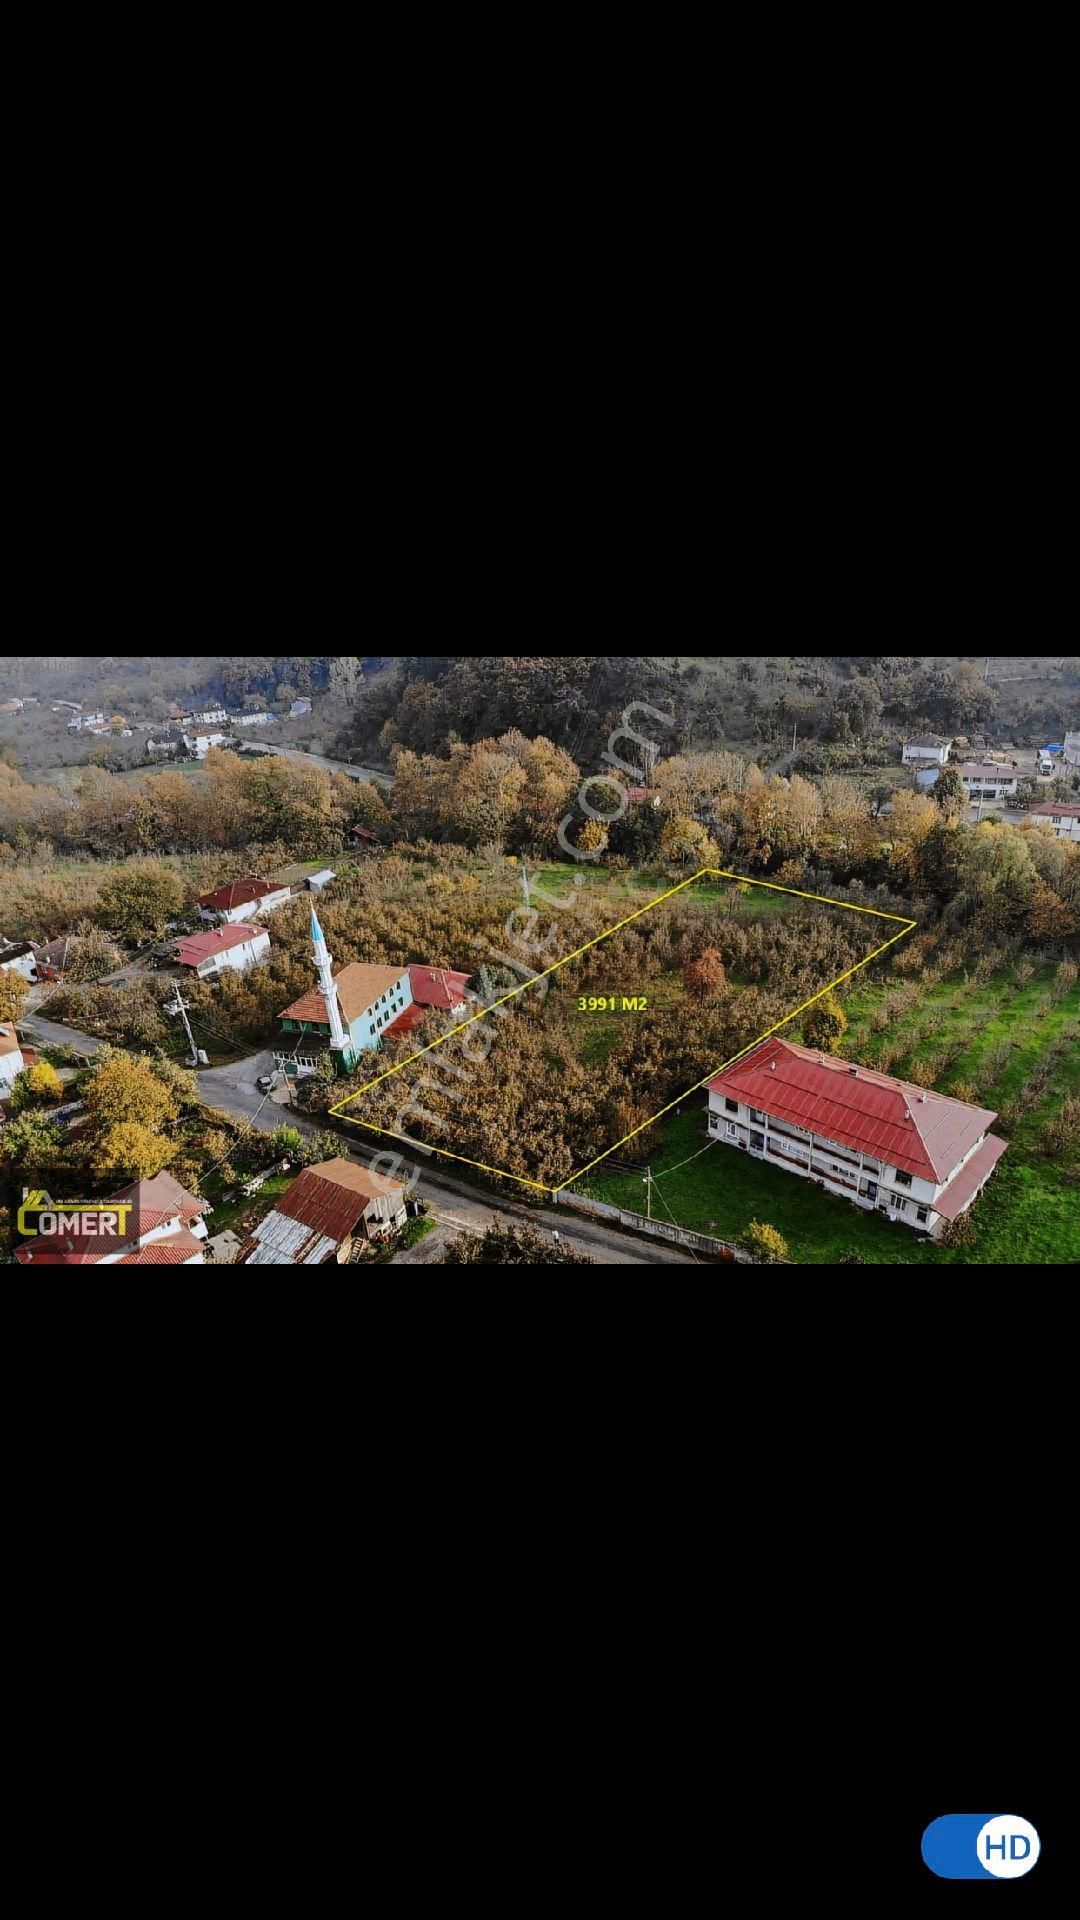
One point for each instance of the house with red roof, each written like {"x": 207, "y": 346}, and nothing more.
{"x": 163, "y": 1227}
{"x": 914, "y": 1155}
{"x": 243, "y": 899}
{"x": 222, "y": 949}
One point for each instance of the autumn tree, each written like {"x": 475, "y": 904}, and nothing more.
{"x": 29, "y": 1143}
{"x": 38, "y": 1086}
{"x": 14, "y": 992}
{"x": 824, "y": 1024}
{"x": 134, "y": 1150}
{"x": 704, "y": 977}
{"x": 686, "y": 843}
{"x": 139, "y": 898}
{"x": 125, "y": 1090}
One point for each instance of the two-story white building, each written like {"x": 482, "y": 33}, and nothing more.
{"x": 912, "y": 1154}
{"x": 200, "y": 743}
{"x": 987, "y": 782}
{"x": 933, "y": 748}
{"x": 1063, "y": 816}
{"x": 1071, "y": 749}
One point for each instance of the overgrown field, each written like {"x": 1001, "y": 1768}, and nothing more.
{"x": 1003, "y": 1032}
{"x": 573, "y": 1066}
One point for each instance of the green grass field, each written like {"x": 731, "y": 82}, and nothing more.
{"x": 1029, "y": 1213}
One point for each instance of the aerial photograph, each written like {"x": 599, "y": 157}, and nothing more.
{"x": 499, "y": 960}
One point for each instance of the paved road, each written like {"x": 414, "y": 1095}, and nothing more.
{"x": 459, "y": 1206}
{"x": 319, "y": 760}
{"x": 48, "y": 1034}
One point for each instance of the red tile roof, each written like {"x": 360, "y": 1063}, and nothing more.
{"x": 173, "y": 1252}
{"x": 438, "y": 986}
{"x": 952, "y": 1202}
{"x": 921, "y": 1132}
{"x": 156, "y": 1202}
{"x": 197, "y": 947}
{"x": 239, "y": 893}
{"x": 973, "y": 771}
{"x": 1058, "y": 809}
{"x": 358, "y": 987}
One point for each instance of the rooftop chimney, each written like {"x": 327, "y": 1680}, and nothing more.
{"x": 853, "y": 1070}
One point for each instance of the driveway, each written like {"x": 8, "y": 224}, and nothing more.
{"x": 233, "y": 1089}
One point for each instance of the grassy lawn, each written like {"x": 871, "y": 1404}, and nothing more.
{"x": 240, "y": 1214}
{"x": 1029, "y": 1213}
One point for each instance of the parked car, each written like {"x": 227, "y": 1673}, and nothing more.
{"x": 266, "y": 1082}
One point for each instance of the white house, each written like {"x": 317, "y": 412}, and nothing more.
{"x": 933, "y": 748}
{"x": 298, "y": 709}
{"x": 165, "y": 1228}
{"x": 1072, "y": 749}
{"x": 1063, "y": 816}
{"x": 166, "y": 743}
{"x": 326, "y": 1211}
{"x": 244, "y": 899}
{"x": 19, "y": 957}
{"x": 11, "y": 1057}
{"x": 250, "y": 719}
{"x": 213, "y": 717}
{"x": 989, "y": 782}
{"x": 222, "y": 950}
{"x": 200, "y": 743}
{"x": 914, "y": 1155}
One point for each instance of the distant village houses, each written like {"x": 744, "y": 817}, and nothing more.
{"x": 250, "y": 719}
{"x": 916, "y": 1156}
{"x": 298, "y": 709}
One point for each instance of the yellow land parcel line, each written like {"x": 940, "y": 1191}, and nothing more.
{"x": 717, "y": 873}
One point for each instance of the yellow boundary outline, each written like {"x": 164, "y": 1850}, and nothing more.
{"x": 704, "y": 873}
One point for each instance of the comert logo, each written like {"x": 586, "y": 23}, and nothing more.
{"x": 980, "y": 1846}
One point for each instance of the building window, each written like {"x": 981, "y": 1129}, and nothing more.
{"x": 755, "y": 1115}
{"x": 731, "y": 1106}
{"x": 733, "y": 1131}
{"x": 902, "y": 1179}
{"x": 898, "y": 1203}
{"x": 757, "y": 1140}
{"x": 921, "y": 1214}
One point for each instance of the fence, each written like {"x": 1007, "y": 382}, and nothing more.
{"x": 659, "y": 1229}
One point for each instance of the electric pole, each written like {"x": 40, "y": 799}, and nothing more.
{"x": 525, "y": 881}
{"x": 646, "y": 1182}
{"x": 181, "y": 1009}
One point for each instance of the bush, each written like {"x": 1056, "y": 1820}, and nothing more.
{"x": 766, "y": 1243}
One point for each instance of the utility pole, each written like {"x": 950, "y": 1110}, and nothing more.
{"x": 181, "y": 1009}
{"x": 986, "y": 669}
{"x": 794, "y": 735}
{"x": 525, "y": 881}
{"x": 646, "y": 1181}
